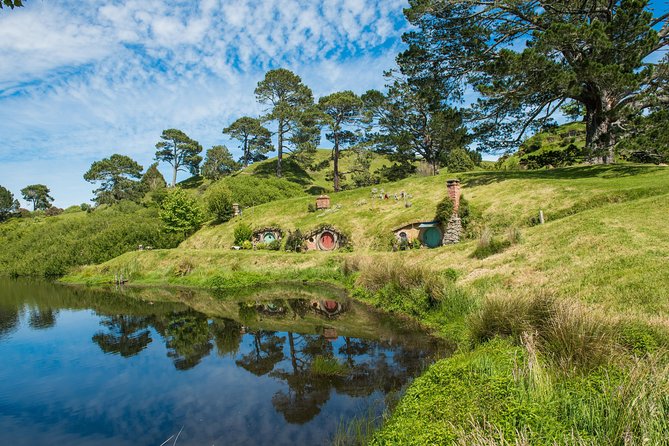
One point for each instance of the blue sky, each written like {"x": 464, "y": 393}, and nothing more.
{"x": 83, "y": 79}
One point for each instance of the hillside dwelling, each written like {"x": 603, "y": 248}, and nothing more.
{"x": 329, "y": 308}
{"x": 429, "y": 233}
{"x": 323, "y": 202}
{"x": 236, "y": 209}
{"x": 325, "y": 239}
{"x": 267, "y": 235}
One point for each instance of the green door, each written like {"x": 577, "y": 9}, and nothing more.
{"x": 432, "y": 237}
{"x": 268, "y": 237}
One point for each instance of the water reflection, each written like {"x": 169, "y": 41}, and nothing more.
{"x": 297, "y": 354}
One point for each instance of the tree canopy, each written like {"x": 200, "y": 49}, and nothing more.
{"x": 219, "y": 162}
{"x": 291, "y": 105}
{"x": 255, "y": 139}
{"x": 116, "y": 175}
{"x": 8, "y": 205}
{"x": 180, "y": 151}
{"x": 414, "y": 123}
{"x": 180, "y": 212}
{"x": 527, "y": 58}
{"x": 153, "y": 179}
{"x": 342, "y": 117}
{"x": 38, "y": 195}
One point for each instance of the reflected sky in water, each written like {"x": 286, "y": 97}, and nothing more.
{"x": 81, "y": 367}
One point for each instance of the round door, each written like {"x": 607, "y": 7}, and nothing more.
{"x": 268, "y": 237}
{"x": 432, "y": 237}
{"x": 327, "y": 241}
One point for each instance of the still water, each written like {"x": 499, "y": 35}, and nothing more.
{"x": 138, "y": 367}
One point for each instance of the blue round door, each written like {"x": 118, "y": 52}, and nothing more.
{"x": 432, "y": 237}
{"x": 268, "y": 237}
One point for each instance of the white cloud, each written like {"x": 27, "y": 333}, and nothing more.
{"x": 80, "y": 80}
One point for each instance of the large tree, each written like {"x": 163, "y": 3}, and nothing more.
{"x": 414, "y": 123}
{"x": 38, "y": 195}
{"x": 153, "y": 179}
{"x": 180, "y": 151}
{"x": 255, "y": 139}
{"x": 117, "y": 175}
{"x": 219, "y": 162}
{"x": 8, "y": 205}
{"x": 343, "y": 117}
{"x": 527, "y": 58}
{"x": 291, "y": 106}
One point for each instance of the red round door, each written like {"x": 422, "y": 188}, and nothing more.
{"x": 327, "y": 241}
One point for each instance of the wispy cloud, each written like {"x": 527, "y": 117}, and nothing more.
{"x": 80, "y": 80}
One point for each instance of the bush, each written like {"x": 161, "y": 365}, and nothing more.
{"x": 243, "y": 233}
{"x": 251, "y": 191}
{"x": 294, "y": 241}
{"x": 444, "y": 210}
{"x": 458, "y": 160}
{"x": 246, "y": 244}
{"x": 311, "y": 207}
{"x": 180, "y": 212}
{"x": 53, "y": 211}
{"x": 51, "y": 247}
{"x": 219, "y": 203}
{"x": 274, "y": 245}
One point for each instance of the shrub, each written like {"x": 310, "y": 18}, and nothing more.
{"x": 444, "y": 210}
{"x": 458, "y": 160}
{"x": 246, "y": 244}
{"x": 243, "y": 233}
{"x": 294, "y": 241}
{"x": 311, "y": 207}
{"x": 53, "y": 211}
{"x": 274, "y": 245}
{"x": 219, "y": 203}
{"x": 180, "y": 212}
{"x": 251, "y": 191}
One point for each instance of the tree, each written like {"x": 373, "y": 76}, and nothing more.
{"x": 8, "y": 205}
{"x": 180, "y": 151}
{"x": 116, "y": 174}
{"x": 219, "y": 162}
{"x": 38, "y": 195}
{"x": 153, "y": 179}
{"x": 414, "y": 123}
{"x": 343, "y": 114}
{"x": 527, "y": 58}
{"x": 180, "y": 212}
{"x": 291, "y": 105}
{"x": 255, "y": 139}
{"x": 11, "y": 3}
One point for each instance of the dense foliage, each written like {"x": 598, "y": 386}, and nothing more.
{"x": 180, "y": 151}
{"x": 8, "y": 205}
{"x": 219, "y": 203}
{"x": 250, "y": 190}
{"x": 255, "y": 139}
{"x": 527, "y": 59}
{"x": 117, "y": 175}
{"x": 181, "y": 212}
{"x": 218, "y": 163}
{"x": 38, "y": 195}
{"x": 50, "y": 246}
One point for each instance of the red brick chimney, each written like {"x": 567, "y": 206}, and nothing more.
{"x": 453, "y": 187}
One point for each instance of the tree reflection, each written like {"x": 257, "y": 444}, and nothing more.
{"x": 128, "y": 335}
{"x": 42, "y": 318}
{"x": 9, "y": 321}
{"x": 227, "y": 336}
{"x": 267, "y": 351}
{"x": 188, "y": 339}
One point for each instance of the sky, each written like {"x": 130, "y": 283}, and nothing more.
{"x": 81, "y": 80}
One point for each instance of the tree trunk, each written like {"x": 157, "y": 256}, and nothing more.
{"x": 246, "y": 152}
{"x": 336, "y": 166}
{"x": 599, "y": 140}
{"x": 279, "y": 151}
{"x": 174, "y": 175}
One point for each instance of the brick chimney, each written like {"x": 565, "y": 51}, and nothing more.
{"x": 453, "y": 187}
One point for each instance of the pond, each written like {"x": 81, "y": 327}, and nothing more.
{"x": 285, "y": 365}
